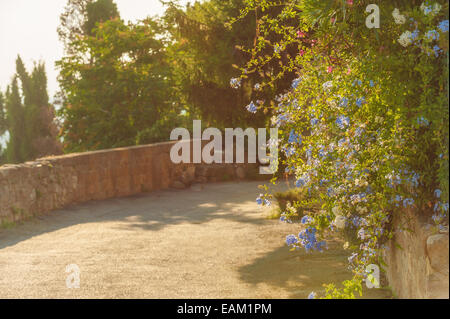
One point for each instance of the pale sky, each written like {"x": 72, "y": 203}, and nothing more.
{"x": 28, "y": 28}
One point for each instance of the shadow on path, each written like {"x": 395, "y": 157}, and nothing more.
{"x": 300, "y": 273}
{"x": 151, "y": 212}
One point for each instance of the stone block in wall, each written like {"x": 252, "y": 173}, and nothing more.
{"x": 437, "y": 251}
{"x": 409, "y": 272}
{"x": 187, "y": 177}
{"x": 241, "y": 173}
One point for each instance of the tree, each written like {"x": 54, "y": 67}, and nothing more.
{"x": 117, "y": 87}
{"x": 29, "y": 118}
{"x": 205, "y": 53}
{"x": 81, "y": 16}
{"x": 98, "y": 12}
{"x": 15, "y": 150}
{"x": 3, "y": 126}
{"x": 72, "y": 21}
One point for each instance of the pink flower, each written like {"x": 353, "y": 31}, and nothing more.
{"x": 302, "y": 52}
{"x": 349, "y": 71}
{"x": 330, "y": 69}
{"x": 350, "y": 2}
{"x": 301, "y": 34}
{"x": 333, "y": 19}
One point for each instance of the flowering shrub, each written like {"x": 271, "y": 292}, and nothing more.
{"x": 364, "y": 126}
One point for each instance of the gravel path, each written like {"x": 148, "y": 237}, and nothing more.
{"x": 211, "y": 242}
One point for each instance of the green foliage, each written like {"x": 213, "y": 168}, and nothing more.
{"x": 370, "y": 108}
{"x": 127, "y": 84}
{"x": 97, "y": 12}
{"x": 202, "y": 55}
{"x": 351, "y": 287}
{"x": 72, "y": 20}
{"x": 117, "y": 86}
{"x": 29, "y": 116}
{"x": 16, "y": 148}
{"x": 3, "y": 126}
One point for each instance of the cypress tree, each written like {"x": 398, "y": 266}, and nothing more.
{"x": 15, "y": 150}
{"x": 3, "y": 126}
{"x": 30, "y": 116}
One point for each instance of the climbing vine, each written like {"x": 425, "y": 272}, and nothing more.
{"x": 364, "y": 126}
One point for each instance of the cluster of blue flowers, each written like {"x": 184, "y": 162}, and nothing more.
{"x": 342, "y": 121}
{"x": 252, "y": 107}
{"x": 432, "y": 35}
{"x": 423, "y": 121}
{"x": 360, "y": 101}
{"x": 303, "y": 181}
{"x": 294, "y": 137}
{"x": 296, "y": 82}
{"x": 291, "y": 240}
{"x": 309, "y": 241}
{"x": 443, "y": 26}
{"x": 262, "y": 201}
{"x": 235, "y": 83}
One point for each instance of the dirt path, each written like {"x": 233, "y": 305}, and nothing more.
{"x": 198, "y": 243}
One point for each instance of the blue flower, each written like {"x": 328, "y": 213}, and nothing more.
{"x": 314, "y": 121}
{"x": 422, "y": 121}
{"x": 296, "y": 82}
{"x": 306, "y": 219}
{"x": 443, "y": 26}
{"x": 289, "y": 151}
{"x": 294, "y": 138}
{"x": 291, "y": 240}
{"x": 259, "y": 201}
{"x": 235, "y": 83}
{"x": 432, "y": 35}
{"x": 437, "y": 50}
{"x": 371, "y": 83}
{"x": 437, "y": 193}
{"x": 312, "y": 295}
{"x": 408, "y": 202}
{"x": 320, "y": 245}
{"x": 252, "y": 107}
{"x": 342, "y": 121}
{"x": 359, "y": 82}
{"x": 330, "y": 192}
{"x": 344, "y": 102}
{"x": 360, "y": 101}
{"x": 414, "y": 34}
{"x": 300, "y": 182}
{"x": 257, "y": 86}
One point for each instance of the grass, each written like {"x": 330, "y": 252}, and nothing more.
{"x": 5, "y": 224}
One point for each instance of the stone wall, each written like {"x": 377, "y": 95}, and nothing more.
{"x": 51, "y": 183}
{"x": 418, "y": 259}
